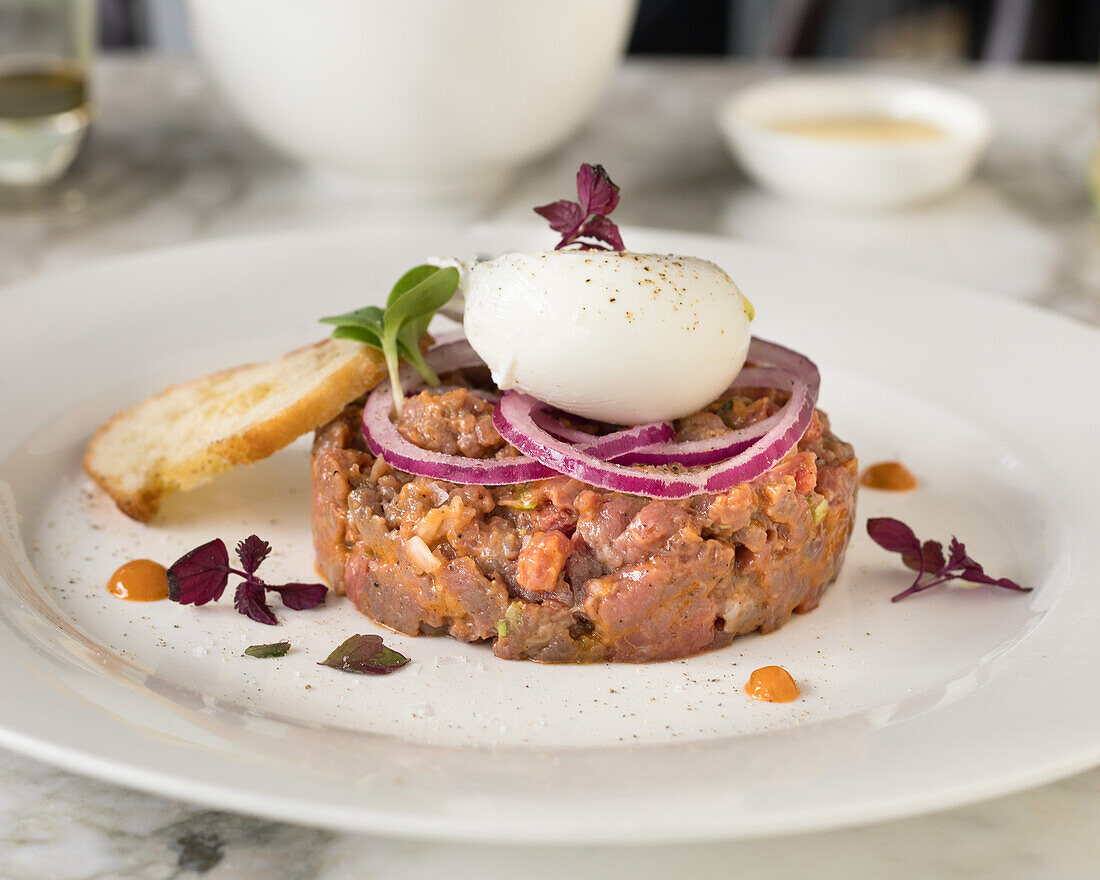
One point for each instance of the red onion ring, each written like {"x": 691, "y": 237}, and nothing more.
{"x": 551, "y": 448}
{"x": 385, "y": 440}
{"x": 454, "y": 355}
{"x": 555, "y": 428}
{"x": 692, "y": 453}
{"x": 514, "y": 420}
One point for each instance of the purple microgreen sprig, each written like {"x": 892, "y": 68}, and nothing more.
{"x": 587, "y": 218}
{"x": 201, "y": 576}
{"x": 366, "y": 655}
{"x": 928, "y": 560}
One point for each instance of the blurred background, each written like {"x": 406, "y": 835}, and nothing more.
{"x": 188, "y": 121}
{"x": 985, "y": 30}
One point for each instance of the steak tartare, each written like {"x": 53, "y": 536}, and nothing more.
{"x": 559, "y": 571}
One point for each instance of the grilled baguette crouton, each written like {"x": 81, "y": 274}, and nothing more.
{"x": 188, "y": 434}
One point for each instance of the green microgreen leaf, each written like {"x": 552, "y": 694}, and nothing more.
{"x": 369, "y": 317}
{"x": 430, "y": 288}
{"x": 397, "y": 330}
{"x": 408, "y": 343}
{"x": 362, "y": 325}
{"x": 424, "y": 297}
{"x": 359, "y": 334}
{"x": 408, "y": 281}
{"x": 275, "y": 649}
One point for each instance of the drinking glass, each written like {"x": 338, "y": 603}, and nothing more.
{"x": 1094, "y": 174}
{"x": 45, "y": 52}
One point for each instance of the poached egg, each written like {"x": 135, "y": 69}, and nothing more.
{"x": 617, "y": 337}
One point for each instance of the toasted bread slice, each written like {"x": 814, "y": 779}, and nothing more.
{"x": 188, "y": 434}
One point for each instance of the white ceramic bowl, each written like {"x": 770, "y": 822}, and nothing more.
{"x": 416, "y": 98}
{"x": 858, "y": 173}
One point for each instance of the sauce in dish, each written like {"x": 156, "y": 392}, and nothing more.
{"x": 772, "y": 684}
{"x": 140, "y": 580}
{"x": 889, "y": 476}
{"x": 860, "y": 128}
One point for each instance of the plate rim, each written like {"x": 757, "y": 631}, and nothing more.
{"x": 213, "y": 795}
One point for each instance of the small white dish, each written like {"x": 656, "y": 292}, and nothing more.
{"x": 855, "y": 171}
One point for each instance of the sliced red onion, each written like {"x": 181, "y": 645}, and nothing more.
{"x": 693, "y": 453}
{"x": 545, "y": 420}
{"x": 552, "y": 448}
{"x": 514, "y": 420}
{"x": 459, "y": 354}
{"x": 612, "y": 446}
{"x": 384, "y": 439}
{"x": 455, "y": 355}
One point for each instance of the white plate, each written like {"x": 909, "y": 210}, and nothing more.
{"x": 948, "y": 697}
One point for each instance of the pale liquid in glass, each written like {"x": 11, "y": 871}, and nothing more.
{"x": 44, "y": 115}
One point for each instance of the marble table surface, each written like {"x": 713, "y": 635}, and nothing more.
{"x": 169, "y": 163}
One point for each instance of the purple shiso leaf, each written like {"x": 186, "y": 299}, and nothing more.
{"x": 603, "y": 229}
{"x": 300, "y": 597}
{"x": 932, "y": 554}
{"x": 930, "y": 559}
{"x": 564, "y": 216}
{"x": 958, "y": 557}
{"x": 587, "y": 219}
{"x": 366, "y": 655}
{"x": 904, "y": 594}
{"x": 252, "y": 551}
{"x": 250, "y": 601}
{"x": 976, "y": 575}
{"x": 893, "y": 535}
{"x": 972, "y": 571}
{"x": 598, "y": 195}
{"x": 200, "y": 576}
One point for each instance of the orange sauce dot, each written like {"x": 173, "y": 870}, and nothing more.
{"x": 773, "y": 684}
{"x": 889, "y": 476}
{"x": 141, "y": 580}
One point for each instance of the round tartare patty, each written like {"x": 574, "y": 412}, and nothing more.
{"x": 560, "y": 571}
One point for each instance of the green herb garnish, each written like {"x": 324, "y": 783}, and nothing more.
{"x": 396, "y": 330}
{"x": 276, "y": 649}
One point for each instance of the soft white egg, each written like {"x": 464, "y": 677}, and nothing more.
{"x": 618, "y": 337}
